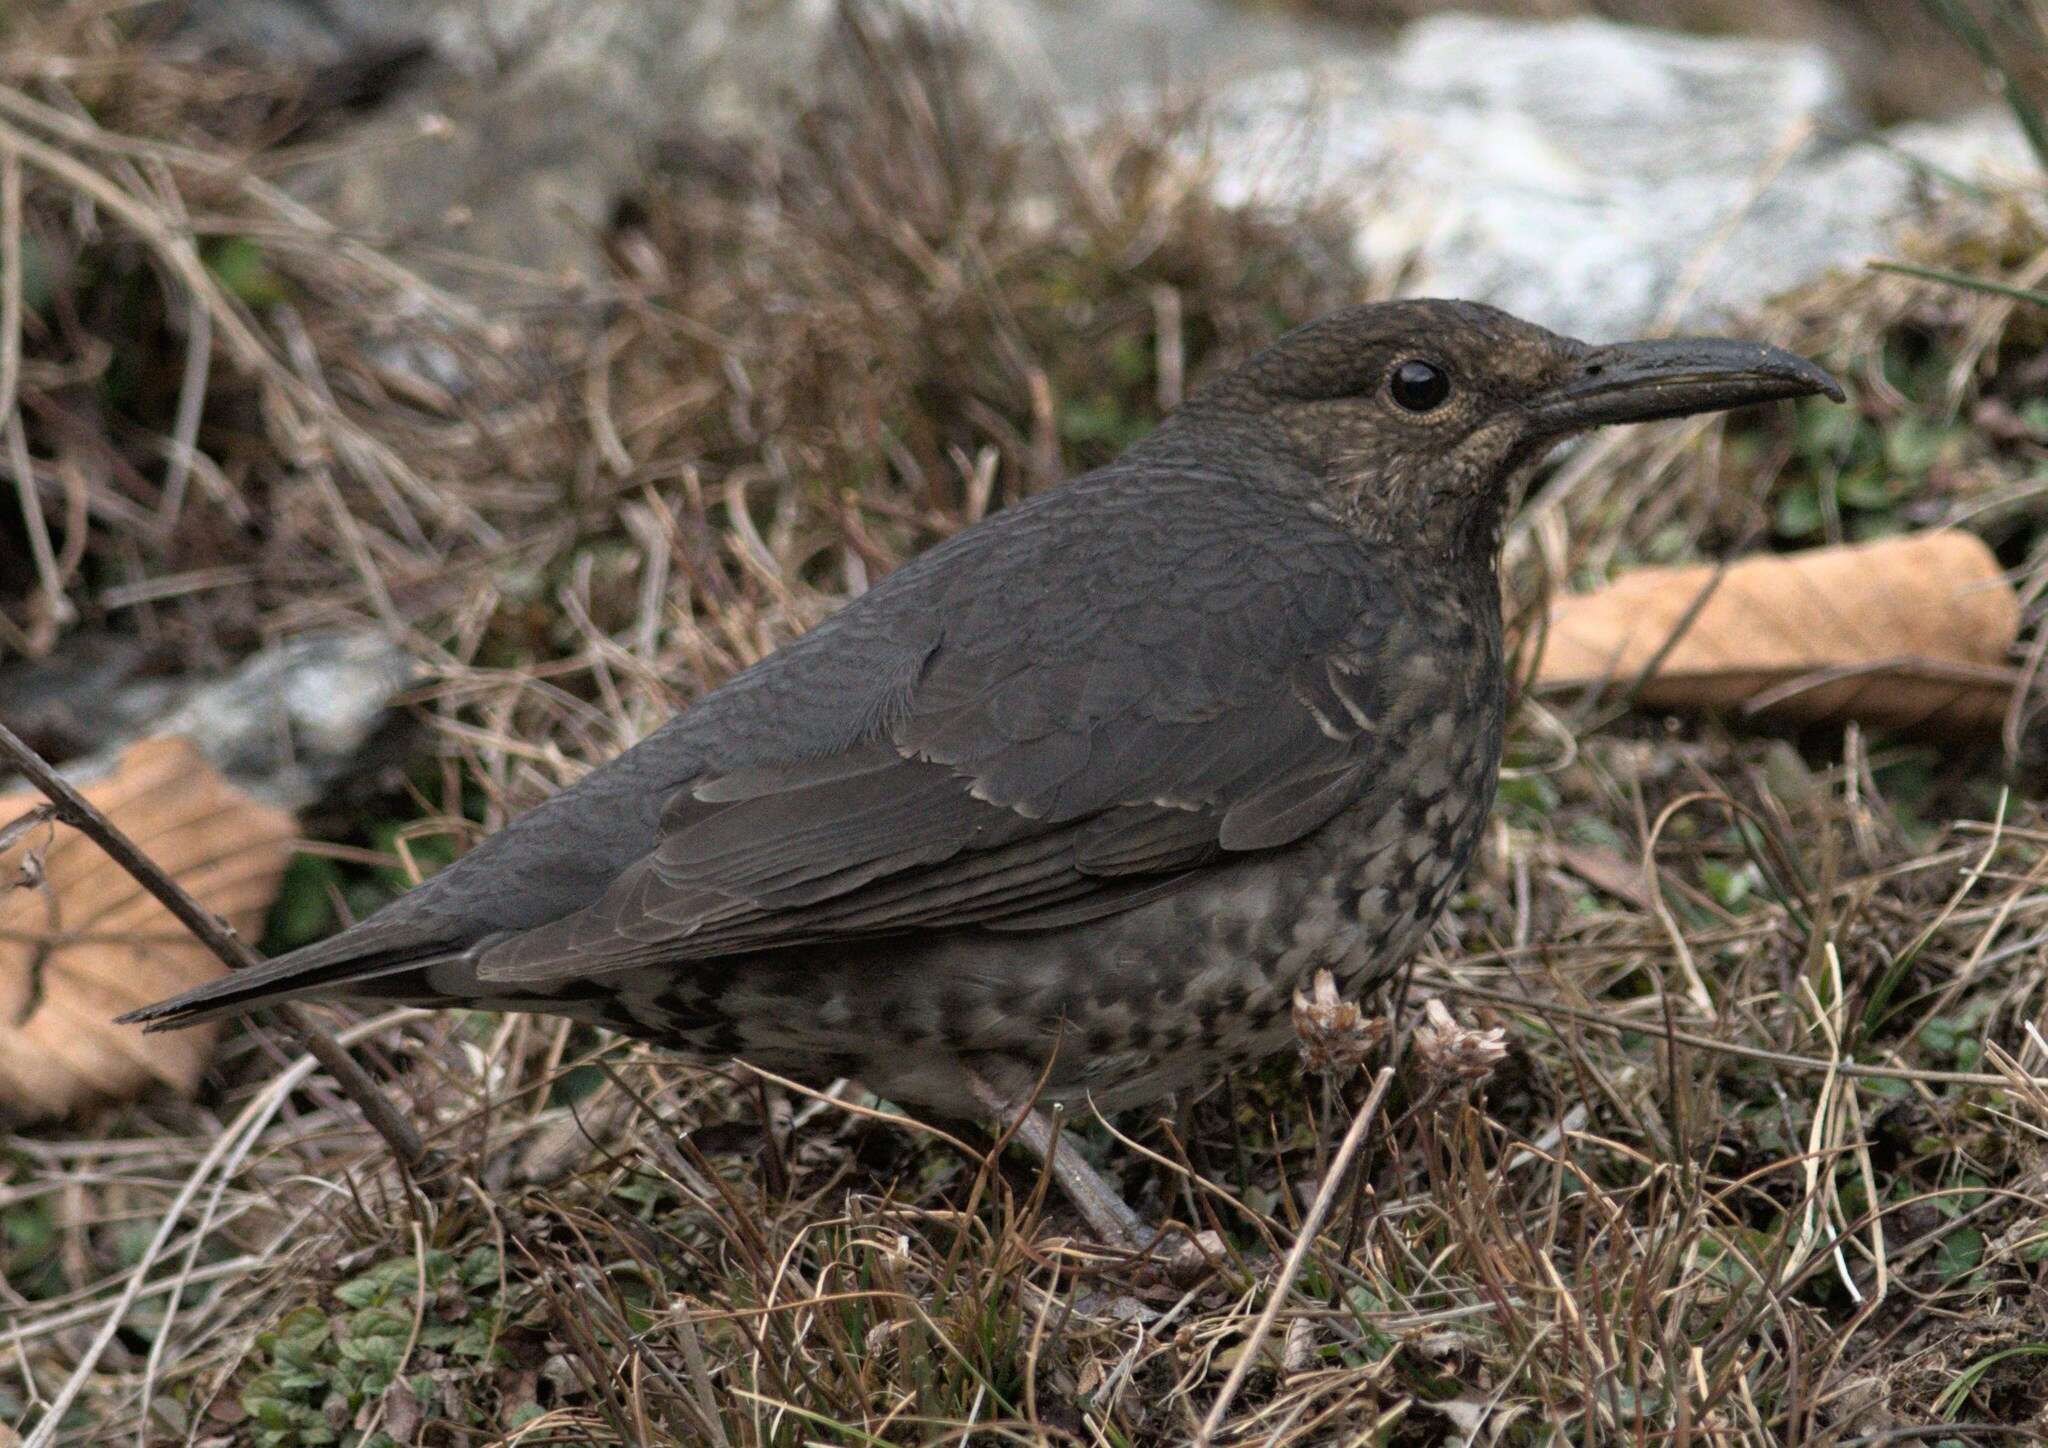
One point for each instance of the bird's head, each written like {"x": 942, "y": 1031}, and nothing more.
{"x": 1414, "y": 417}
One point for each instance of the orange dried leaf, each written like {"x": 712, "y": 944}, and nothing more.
{"x": 80, "y": 941}
{"x": 1910, "y": 632}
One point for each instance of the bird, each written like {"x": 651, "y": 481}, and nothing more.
{"x": 1069, "y": 806}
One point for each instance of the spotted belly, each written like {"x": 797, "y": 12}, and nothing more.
{"x": 1117, "y": 1011}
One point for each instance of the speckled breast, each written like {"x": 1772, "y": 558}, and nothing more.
{"x": 1130, "y": 1007}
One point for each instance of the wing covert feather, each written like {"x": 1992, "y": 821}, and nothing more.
{"x": 1128, "y": 702}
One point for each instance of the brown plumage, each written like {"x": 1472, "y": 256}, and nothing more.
{"x": 1100, "y": 780}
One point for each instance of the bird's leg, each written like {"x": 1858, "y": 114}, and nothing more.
{"x": 772, "y": 1102}
{"x": 1108, "y": 1215}
{"x": 1099, "y": 1203}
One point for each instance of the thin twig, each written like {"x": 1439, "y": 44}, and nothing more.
{"x": 71, "y": 807}
{"x": 184, "y": 440}
{"x": 1303, "y": 1240}
{"x": 1964, "y": 280}
{"x": 56, "y": 609}
{"x": 1813, "y": 1065}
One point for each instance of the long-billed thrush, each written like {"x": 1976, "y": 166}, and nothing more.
{"x": 1072, "y": 803}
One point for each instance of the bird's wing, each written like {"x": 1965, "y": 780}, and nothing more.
{"x": 1043, "y": 737}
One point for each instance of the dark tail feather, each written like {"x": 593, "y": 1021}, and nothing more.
{"x": 341, "y": 966}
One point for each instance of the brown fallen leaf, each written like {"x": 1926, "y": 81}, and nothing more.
{"x": 1912, "y": 632}
{"x": 80, "y": 941}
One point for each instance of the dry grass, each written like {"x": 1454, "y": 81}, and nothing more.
{"x": 1765, "y": 1162}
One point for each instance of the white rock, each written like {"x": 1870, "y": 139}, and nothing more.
{"x": 290, "y": 721}
{"x": 1604, "y": 180}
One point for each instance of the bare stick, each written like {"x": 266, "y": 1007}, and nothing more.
{"x": 1106, "y": 1213}
{"x": 71, "y": 807}
{"x": 1289, "y": 1270}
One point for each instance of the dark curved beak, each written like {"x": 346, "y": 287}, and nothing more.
{"x": 1676, "y": 377}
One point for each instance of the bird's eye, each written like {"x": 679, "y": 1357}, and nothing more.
{"x": 1418, "y": 386}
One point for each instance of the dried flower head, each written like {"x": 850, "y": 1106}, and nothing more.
{"x": 1335, "y": 1035}
{"x": 1453, "y": 1052}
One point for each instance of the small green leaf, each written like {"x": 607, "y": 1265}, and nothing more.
{"x": 480, "y": 1268}
{"x": 1912, "y": 445}
{"x": 1869, "y": 488}
{"x": 304, "y": 911}
{"x": 38, "y": 277}
{"x": 1729, "y": 886}
{"x": 1798, "y": 513}
{"x": 575, "y": 1084}
{"x": 1830, "y": 432}
{"x": 1957, "y": 1392}
{"x": 1959, "y": 1253}
{"x": 360, "y": 1291}
{"x": 1532, "y": 793}
{"x": 243, "y": 267}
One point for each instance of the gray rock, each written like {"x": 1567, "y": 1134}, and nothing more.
{"x": 305, "y": 32}
{"x": 1605, "y": 180}
{"x": 287, "y": 725}
{"x": 541, "y": 113}
{"x": 535, "y": 115}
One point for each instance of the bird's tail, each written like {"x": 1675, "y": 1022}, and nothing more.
{"x": 399, "y": 968}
